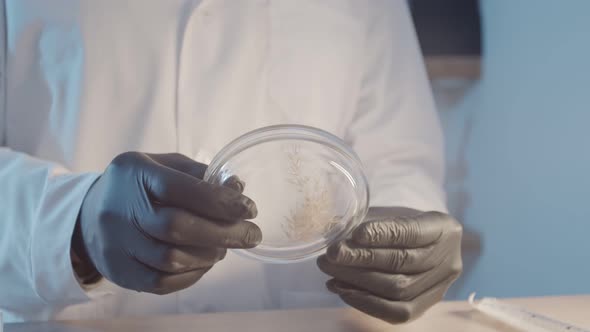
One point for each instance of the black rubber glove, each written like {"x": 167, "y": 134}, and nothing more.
{"x": 397, "y": 264}
{"x": 151, "y": 224}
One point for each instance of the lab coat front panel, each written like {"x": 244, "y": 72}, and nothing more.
{"x": 86, "y": 80}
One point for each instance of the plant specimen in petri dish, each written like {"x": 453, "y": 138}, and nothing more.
{"x": 312, "y": 215}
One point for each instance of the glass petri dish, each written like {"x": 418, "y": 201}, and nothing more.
{"x": 309, "y": 187}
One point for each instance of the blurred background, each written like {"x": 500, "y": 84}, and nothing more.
{"x": 511, "y": 79}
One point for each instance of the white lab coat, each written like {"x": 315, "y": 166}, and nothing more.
{"x": 85, "y": 80}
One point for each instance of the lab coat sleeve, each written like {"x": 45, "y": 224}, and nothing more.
{"x": 39, "y": 204}
{"x": 396, "y": 131}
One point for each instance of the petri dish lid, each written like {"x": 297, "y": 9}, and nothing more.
{"x": 309, "y": 187}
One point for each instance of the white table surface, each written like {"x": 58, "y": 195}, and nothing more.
{"x": 446, "y": 316}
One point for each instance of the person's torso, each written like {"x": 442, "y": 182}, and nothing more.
{"x": 87, "y": 80}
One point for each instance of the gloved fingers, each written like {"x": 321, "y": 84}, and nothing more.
{"x": 378, "y": 212}
{"x": 395, "y": 287}
{"x": 169, "y": 283}
{"x": 173, "y": 188}
{"x": 127, "y": 272}
{"x": 191, "y": 167}
{"x": 394, "y": 312}
{"x": 403, "y": 232}
{"x": 180, "y": 227}
{"x": 173, "y": 259}
{"x": 180, "y": 163}
{"x": 413, "y": 260}
{"x": 235, "y": 183}
{"x": 155, "y": 282}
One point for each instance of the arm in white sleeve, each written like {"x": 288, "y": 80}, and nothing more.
{"x": 39, "y": 204}
{"x": 396, "y": 131}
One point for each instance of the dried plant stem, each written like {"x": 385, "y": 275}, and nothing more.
{"x": 313, "y": 214}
